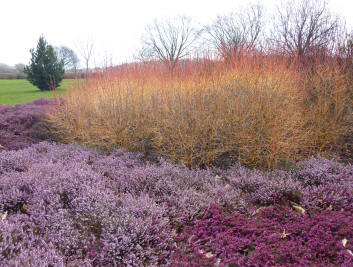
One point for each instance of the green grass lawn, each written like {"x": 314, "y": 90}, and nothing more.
{"x": 14, "y": 92}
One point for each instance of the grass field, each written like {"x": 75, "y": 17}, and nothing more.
{"x": 21, "y": 91}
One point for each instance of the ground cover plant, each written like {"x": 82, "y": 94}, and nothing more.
{"x": 20, "y": 91}
{"x": 65, "y": 205}
{"x": 24, "y": 125}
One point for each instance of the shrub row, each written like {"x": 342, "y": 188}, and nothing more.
{"x": 11, "y": 76}
{"x": 258, "y": 111}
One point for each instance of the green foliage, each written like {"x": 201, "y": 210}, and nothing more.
{"x": 45, "y": 70}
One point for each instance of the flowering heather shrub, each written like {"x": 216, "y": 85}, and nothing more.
{"x": 326, "y": 182}
{"x": 65, "y": 205}
{"x": 103, "y": 209}
{"x": 263, "y": 188}
{"x": 275, "y": 236}
{"x": 33, "y": 251}
{"x": 23, "y": 125}
{"x": 317, "y": 182}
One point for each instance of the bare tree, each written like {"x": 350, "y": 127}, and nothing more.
{"x": 237, "y": 32}
{"x": 86, "y": 51}
{"x": 348, "y": 47}
{"x": 20, "y": 67}
{"x": 68, "y": 56}
{"x": 346, "y": 54}
{"x": 305, "y": 26}
{"x": 169, "y": 40}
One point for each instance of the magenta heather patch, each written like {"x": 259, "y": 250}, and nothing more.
{"x": 275, "y": 236}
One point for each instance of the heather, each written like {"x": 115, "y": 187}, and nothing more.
{"x": 66, "y": 205}
{"x": 275, "y": 236}
{"x": 23, "y": 125}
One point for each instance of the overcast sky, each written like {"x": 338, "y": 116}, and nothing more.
{"x": 115, "y": 26}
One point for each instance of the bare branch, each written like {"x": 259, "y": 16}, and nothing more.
{"x": 237, "y": 32}
{"x": 305, "y": 26}
{"x": 169, "y": 40}
{"x": 68, "y": 56}
{"x": 86, "y": 49}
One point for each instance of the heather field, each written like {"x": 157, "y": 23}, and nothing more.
{"x": 65, "y": 205}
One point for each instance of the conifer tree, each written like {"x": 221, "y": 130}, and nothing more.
{"x": 45, "y": 70}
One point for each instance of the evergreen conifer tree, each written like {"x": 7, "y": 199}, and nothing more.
{"x": 45, "y": 70}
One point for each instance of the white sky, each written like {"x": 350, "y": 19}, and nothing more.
{"x": 115, "y": 26}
